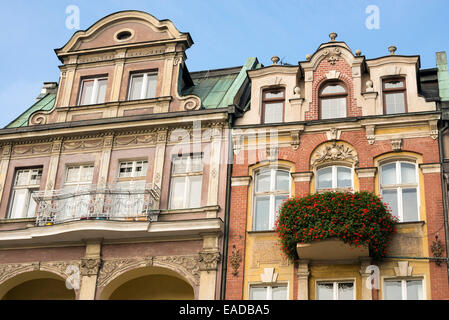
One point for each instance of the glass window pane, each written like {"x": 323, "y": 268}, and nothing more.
{"x": 180, "y": 165}
{"x": 274, "y": 94}
{"x": 325, "y": 291}
{"x": 333, "y": 88}
{"x": 274, "y": 112}
{"x": 86, "y": 92}
{"x": 151, "y": 88}
{"x": 36, "y": 176}
{"x": 32, "y": 204}
{"x": 325, "y": 178}
{"x": 197, "y": 164}
{"x": 279, "y": 293}
{"x": 408, "y": 173}
{"x": 389, "y": 173}
{"x": 73, "y": 174}
{"x": 391, "y": 197}
{"x": 395, "y": 102}
{"x": 101, "y": 90}
{"x": 344, "y": 177}
{"x": 22, "y": 177}
{"x": 346, "y": 291}
{"x": 414, "y": 290}
{"x": 263, "y": 180}
{"x": 177, "y": 193}
{"x": 277, "y": 205}
{"x": 195, "y": 191}
{"x": 136, "y": 87}
{"x": 258, "y": 293}
{"x": 282, "y": 180}
{"x": 410, "y": 204}
{"x": 332, "y": 108}
{"x": 393, "y": 290}
{"x": 394, "y": 84}
{"x": 18, "y": 203}
{"x": 262, "y": 213}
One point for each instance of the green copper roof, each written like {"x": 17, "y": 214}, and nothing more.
{"x": 217, "y": 88}
{"x": 44, "y": 104}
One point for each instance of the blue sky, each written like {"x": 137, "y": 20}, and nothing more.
{"x": 225, "y": 33}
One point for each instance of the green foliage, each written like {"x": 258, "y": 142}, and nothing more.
{"x": 358, "y": 219}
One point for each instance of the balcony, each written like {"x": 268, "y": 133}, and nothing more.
{"x": 91, "y": 202}
{"x": 331, "y": 249}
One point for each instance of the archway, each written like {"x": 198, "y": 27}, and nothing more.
{"x": 151, "y": 283}
{"x": 36, "y": 285}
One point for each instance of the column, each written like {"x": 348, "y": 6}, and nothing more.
{"x": 53, "y": 165}
{"x": 367, "y": 289}
{"x": 159, "y": 158}
{"x": 214, "y": 166}
{"x": 4, "y": 164}
{"x": 303, "y": 279}
{"x": 208, "y": 259}
{"x": 90, "y": 266}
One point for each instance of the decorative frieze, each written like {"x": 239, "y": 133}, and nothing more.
{"x": 334, "y": 152}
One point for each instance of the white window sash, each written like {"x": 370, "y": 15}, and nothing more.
{"x": 93, "y": 99}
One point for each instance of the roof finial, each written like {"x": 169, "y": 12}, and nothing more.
{"x": 275, "y": 59}
{"x": 333, "y": 35}
{"x": 392, "y": 49}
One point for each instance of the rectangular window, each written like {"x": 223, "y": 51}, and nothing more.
{"x": 76, "y": 202}
{"x": 22, "y": 204}
{"x": 399, "y": 188}
{"x": 273, "y": 106}
{"x": 186, "y": 182}
{"x": 142, "y": 86}
{"x": 278, "y": 292}
{"x": 394, "y": 93}
{"x": 93, "y": 91}
{"x": 271, "y": 188}
{"x": 403, "y": 289}
{"x": 337, "y": 290}
{"x": 133, "y": 169}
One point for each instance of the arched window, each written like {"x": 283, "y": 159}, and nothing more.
{"x": 334, "y": 178}
{"x": 272, "y": 186}
{"x": 399, "y": 188}
{"x": 333, "y": 98}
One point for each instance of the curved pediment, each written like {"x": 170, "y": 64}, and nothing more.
{"x": 136, "y": 26}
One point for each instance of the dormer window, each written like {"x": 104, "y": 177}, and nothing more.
{"x": 394, "y": 96}
{"x": 273, "y": 105}
{"x": 142, "y": 86}
{"x": 333, "y": 98}
{"x": 93, "y": 91}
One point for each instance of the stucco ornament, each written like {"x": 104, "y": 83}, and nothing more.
{"x": 209, "y": 260}
{"x": 334, "y": 152}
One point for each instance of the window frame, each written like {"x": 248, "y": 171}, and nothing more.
{"x": 386, "y": 91}
{"x": 334, "y": 178}
{"x": 30, "y": 189}
{"x": 272, "y": 193}
{"x": 145, "y": 74}
{"x": 404, "y": 286}
{"x": 335, "y": 288}
{"x": 400, "y": 186}
{"x": 133, "y": 175}
{"x": 269, "y": 289}
{"x": 187, "y": 176}
{"x": 266, "y": 101}
{"x": 331, "y": 96}
{"x": 95, "y": 90}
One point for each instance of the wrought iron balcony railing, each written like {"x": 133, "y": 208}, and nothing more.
{"x": 92, "y": 202}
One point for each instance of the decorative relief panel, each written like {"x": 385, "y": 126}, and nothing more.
{"x": 334, "y": 152}
{"x": 82, "y": 144}
{"x": 188, "y": 266}
{"x": 19, "y": 150}
{"x": 267, "y": 252}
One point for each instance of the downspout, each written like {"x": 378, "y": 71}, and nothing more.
{"x": 227, "y": 207}
{"x": 444, "y": 189}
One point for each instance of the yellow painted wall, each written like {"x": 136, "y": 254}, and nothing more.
{"x": 40, "y": 289}
{"x": 154, "y": 287}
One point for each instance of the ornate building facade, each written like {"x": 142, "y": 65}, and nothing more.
{"x": 112, "y": 183}
{"x": 338, "y": 121}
